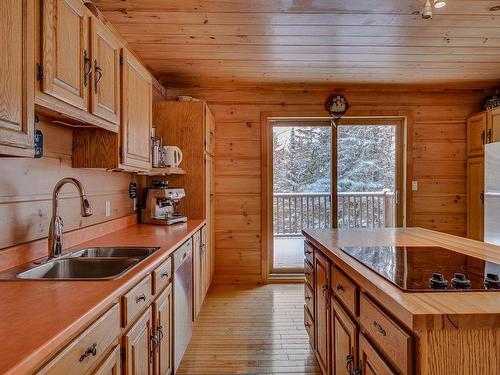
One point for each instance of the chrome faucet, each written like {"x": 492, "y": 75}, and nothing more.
{"x": 56, "y": 223}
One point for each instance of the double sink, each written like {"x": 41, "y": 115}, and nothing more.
{"x": 96, "y": 263}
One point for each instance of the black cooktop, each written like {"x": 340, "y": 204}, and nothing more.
{"x": 427, "y": 268}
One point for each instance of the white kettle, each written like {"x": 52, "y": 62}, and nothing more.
{"x": 172, "y": 156}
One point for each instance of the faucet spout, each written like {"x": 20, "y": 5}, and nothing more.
{"x": 56, "y": 223}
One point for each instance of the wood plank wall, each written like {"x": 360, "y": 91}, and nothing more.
{"x": 26, "y": 191}
{"x": 436, "y": 151}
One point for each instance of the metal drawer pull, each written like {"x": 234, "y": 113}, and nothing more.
{"x": 339, "y": 287}
{"x": 160, "y": 332}
{"x": 142, "y": 297}
{"x": 91, "y": 351}
{"x": 349, "y": 359}
{"x": 308, "y": 325}
{"x": 379, "y": 328}
{"x": 165, "y": 274}
{"x": 308, "y": 298}
{"x": 308, "y": 252}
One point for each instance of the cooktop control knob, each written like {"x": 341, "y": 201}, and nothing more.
{"x": 437, "y": 281}
{"x": 459, "y": 281}
{"x": 492, "y": 281}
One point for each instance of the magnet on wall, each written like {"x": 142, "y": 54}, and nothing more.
{"x": 38, "y": 144}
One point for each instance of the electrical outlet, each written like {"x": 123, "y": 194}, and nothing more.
{"x": 108, "y": 209}
{"x": 414, "y": 185}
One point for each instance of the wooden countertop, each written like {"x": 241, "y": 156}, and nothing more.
{"x": 38, "y": 317}
{"x": 418, "y": 311}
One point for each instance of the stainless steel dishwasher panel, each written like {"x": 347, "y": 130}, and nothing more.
{"x": 183, "y": 299}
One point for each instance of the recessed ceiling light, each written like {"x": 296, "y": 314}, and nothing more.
{"x": 439, "y": 3}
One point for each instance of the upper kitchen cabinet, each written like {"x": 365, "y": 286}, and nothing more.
{"x": 16, "y": 78}
{"x": 106, "y": 86}
{"x": 78, "y": 66}
{"x": 493, "y": 132}
{"x": 482, "y": 128}
{"x": 130, "y": 150}
{"x": 137, "y": 113}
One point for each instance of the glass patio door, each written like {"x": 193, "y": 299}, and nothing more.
{"x": 302, "y": 188}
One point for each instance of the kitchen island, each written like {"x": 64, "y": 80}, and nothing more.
{"x": 359, "y": 320}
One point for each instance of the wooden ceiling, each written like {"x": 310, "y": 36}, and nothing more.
{"x": 310, "y": 42}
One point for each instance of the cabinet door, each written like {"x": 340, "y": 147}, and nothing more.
{"x": 138, "y": 348}
{"x": 197, "y": 273}
{"x": 209, "y": 131}
{"x": 475, "y": 199}
{"x": 111, "y": 365}
{"x": 476, "y": 133}
{"x": 344, "y": 348}
{"x": 106, "y": 84}
{"x": 205, "y": 262}
{"x": 210, "y": 216}
{"x": 16, "y": 77}
{"x": 493, "y": 128}
{"x": 163, "y": 331}
{"x": 322, "y": 309}
{"x": 65, "y": 55}
{"x": 136, "y": 114}
{"x": 371, "y": 363}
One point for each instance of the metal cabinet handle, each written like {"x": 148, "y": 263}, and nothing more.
{"x": 349, "y": 359}
{"x": 91, "y": 351}
{"x": 339, "y": 287}
{"x": 483, "y": 137}
{"x": 308, "y": 252}
{"x": 379, "y": 328}
{"x": 164, "y": 274}
{"x": 98, "y": 72}
{"x": 154, "y": 347}
{"x": 87, "y": 68}
{"x": 142, "y": 297}
{"x": 489, "y": 136}
{"x": 159, "y": 328}
{"x": 308, "y": 325}
{"x": 308, "y": 298}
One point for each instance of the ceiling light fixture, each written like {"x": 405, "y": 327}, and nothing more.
{"x": 427, "y": 11}
{"x": 439, "y": 4}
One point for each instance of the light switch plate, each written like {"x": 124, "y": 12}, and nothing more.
{"x": 414, "y": 185}
{"x": 108, "y": 209}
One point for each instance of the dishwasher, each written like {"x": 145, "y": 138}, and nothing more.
{"x": 183, "y": 300}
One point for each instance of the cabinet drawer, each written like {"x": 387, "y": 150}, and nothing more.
{"x": 136, "y": 300}
{"x": 309, "y": 252}
{"x": 309, "y": 272}
{"x": 309, "y": 299}
{"x": 84, "y": 351}
{"x": 345, "y": 290}
{"x": 162, "y": 275}
{"x": 392, "y": 340}
{"x": 309, "y": 323}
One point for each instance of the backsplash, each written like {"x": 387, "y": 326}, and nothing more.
{"x": 26, "y": 187}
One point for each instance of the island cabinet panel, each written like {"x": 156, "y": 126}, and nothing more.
{"x": 105, "y": 88}
{"x": 344, "y": 346}
{"x": 16, "y": 77}
{"x": 322, "y": 310}
{"x": 371, "y": 362}
{"x": 387, "y": 334}
{"x": 65, "y": 51}
{"x": 138, "y": 346}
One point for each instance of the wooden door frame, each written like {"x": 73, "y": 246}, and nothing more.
{"x": 405, "y": 118}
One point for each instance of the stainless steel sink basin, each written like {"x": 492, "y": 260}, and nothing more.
{"x": 80, "y": 269}
{"x": 113, "y": 252}
{"x": 94, "y": 263}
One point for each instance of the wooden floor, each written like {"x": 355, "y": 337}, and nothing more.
{"x": 251, "y": 330}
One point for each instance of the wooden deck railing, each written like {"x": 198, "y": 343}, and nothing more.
{"x": 293, "y": 212}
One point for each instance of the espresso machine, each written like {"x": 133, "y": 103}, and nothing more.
{"x": 161, "y": 203}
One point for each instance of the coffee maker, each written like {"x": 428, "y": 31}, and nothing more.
{"x": 161, "y": 203}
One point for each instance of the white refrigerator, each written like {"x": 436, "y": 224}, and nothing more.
{"x": 492, "y": 199}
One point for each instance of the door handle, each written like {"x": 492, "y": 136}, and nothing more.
{"x": 98, "y": 73}
{"x": 87, "y": 68}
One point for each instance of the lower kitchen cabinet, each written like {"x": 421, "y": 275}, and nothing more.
{"x": 138, "y": 346}
{"x": 163, "y": 323}
{"x": 202, "y": 268}
{"x": 344, "y": 346}
{"x": 371, "y": 363}
{"x": 322, "y": 310}
{"x": 112, "y": 365}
